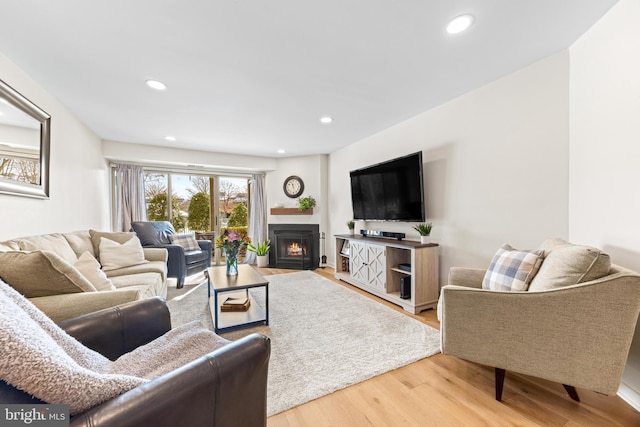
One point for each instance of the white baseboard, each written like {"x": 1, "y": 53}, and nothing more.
{"x": 629, "y": 395}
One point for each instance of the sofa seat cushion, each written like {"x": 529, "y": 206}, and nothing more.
{"x": 193, "y": 257}
{"x": 148, "y": 284}
{"x": 41, "y": 273}
{"x": 567, "y": 264}
{"x": 512, "y": 269}
{"x": 55, "y": 243}
{"x": 159, "y": 267}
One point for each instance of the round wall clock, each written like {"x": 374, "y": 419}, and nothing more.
{"x": 293, "y": 186}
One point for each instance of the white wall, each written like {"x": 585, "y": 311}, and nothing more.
{"x": 604, "y": 206}
{"x": 79, "y": 196}
{"x": 495, "y": 162}
{"x": 199, "y": 160}
{"x": 313, "y": 172}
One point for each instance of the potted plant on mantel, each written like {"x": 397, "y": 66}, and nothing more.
{"x": 424, "y": 230}
{"x": 305, "y": 203}
{"x": 351, "y": 225}
{"x": 261, "y": 249}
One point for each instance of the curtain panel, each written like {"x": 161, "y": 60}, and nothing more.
{"x": 257, "y": 215}
{"x": 130, "y": 200}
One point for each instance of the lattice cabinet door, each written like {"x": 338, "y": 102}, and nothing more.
{"x": 377, "y": 263}
{"x": 358, "y": 258}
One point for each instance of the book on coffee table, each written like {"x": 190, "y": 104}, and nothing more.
{"x": 235, "y": 304}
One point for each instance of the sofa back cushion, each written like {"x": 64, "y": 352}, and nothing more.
{"x": 153, "y": 233}
{"x": 41, "y": 273}
{"x": 566, "y": 264}
{"x": 54, "y": 242}
{"x": 80, "y": 242}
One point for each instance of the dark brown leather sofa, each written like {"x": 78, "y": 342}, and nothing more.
{"x": 224, "y": 388}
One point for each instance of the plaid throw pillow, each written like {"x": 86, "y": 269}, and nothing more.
{"x": 512, "y": 270}
{"x": 187, "y": 241}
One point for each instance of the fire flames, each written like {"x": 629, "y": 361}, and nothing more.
{"x": 294, "y": 249}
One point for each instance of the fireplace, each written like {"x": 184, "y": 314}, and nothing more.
{"x": 294, "y": 246}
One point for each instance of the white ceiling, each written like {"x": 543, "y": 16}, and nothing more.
{"x": 254, "y": 76}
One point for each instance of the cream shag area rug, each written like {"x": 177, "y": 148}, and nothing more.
{"x": 324, "y": 337}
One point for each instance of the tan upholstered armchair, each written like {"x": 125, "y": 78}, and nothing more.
{"x": 576, "y": 335}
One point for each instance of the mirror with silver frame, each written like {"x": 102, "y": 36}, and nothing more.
{"x": 24, "y": 145}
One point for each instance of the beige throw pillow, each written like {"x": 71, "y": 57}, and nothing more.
{"x": 116, "y": 236}
{"x": 568, "y": 264}
{"x": 41, "y": 273}
{"x": 114, "y": 255}
{"x": 89, "y": 267}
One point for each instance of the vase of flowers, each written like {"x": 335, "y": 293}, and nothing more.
{"x": 231, "y": 242}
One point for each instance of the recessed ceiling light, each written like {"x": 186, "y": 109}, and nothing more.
{"x": 326, "y": 120}
{"x": 170, "y": 138}
{"x": 459, "y": 24}
{"x": 155, "y": 84}
{"x": 281, "y": 151}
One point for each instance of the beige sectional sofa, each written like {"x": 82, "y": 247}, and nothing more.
{"x": 43, "y": 268}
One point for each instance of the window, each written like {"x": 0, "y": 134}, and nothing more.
{"x": 202, "y": 204}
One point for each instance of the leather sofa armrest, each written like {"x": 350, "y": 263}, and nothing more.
{"x": 227, "y": 387}
{"x": 205, "y": 245}
{"x": 468, "y": 277}
{"x": 118, "y": 330}
{"x": 65, "y": 306}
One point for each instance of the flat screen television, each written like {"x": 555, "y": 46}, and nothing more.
{"x": 389, "y": 191}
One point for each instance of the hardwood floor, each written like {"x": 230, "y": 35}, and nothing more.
{"x": 445, "y": 391}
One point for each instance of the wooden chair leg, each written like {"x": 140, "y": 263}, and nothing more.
{"x": 573, "y": 393}
{"x": 500, "y": 373}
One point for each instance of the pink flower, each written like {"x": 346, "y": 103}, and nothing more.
{"x": 233, "y": 236}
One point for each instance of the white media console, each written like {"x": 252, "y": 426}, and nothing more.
{"x": 372, "y": 264}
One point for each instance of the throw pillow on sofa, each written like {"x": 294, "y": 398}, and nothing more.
{"x": 511, "y": 269}
{"x": 41, "y": 273}
{"x": 567, "y": 264}
{"x": 116, "y": 236}
{"x": 114, "y": 255}
{"x": 89, "y": 267}
{"x": 187, "y": 241}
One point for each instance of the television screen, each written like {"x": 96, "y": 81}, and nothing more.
{"x": 389, "y": 191}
